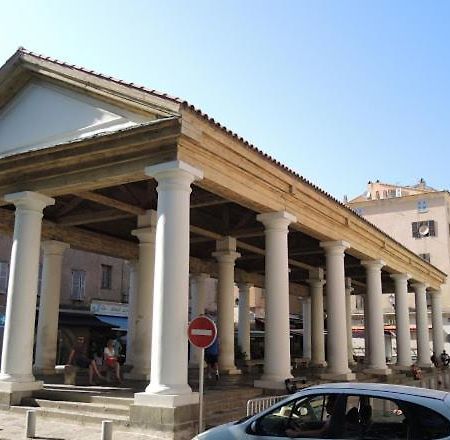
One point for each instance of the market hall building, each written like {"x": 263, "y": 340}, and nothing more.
{"x": 153, "y": 180}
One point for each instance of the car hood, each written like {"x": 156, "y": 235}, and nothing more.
{"x": 229, "y": 431}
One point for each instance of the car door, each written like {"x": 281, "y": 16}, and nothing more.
{"x": 307, "y": 416}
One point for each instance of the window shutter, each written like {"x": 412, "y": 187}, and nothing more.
{"x": 432, "y": 226}
{"x": 415, "y": 229}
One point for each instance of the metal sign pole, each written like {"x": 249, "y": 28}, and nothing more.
{"x": 200, "y": 390}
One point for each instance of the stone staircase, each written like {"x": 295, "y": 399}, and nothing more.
{"x": 77, "y": 408}
{"x": 220, "y": 406}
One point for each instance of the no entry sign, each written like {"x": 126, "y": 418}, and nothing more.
{"x": 202, "y": 332}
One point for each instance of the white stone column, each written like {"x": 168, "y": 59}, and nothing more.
{"x": 337, "y": 354}
{"x": 366, "y": 330}
{"x": 423, "y": 342}
{"x": 198, "y": 299}
{"x": 143, "y": 306}
{"x": 375, "y": 331}
{"x": 348, "y": 311}
{"x": 169, "y": 360}
{"x": 316, "y": 283}
{"x": 47, "y": 330}
{"x": 436, "y": 317}
{"x": 306, "y": 317}
{"x": 17, "y": 355}
{"x": 277, "y": 352}
{"x": 402, "y": 320}
{"x": 132, "y": 312}
{"x": 226, "y": 256}
{"x": 244, "y": 319}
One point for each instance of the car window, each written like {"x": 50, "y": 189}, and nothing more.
{"x": 303, "y": 414}
{"x": 375, "y": 419}
{"x": 429, "y": 424}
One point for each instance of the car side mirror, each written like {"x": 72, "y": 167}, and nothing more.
{"x": 253, "y": 427}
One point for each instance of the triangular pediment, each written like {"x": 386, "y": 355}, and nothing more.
{"x": 42, "y": 114}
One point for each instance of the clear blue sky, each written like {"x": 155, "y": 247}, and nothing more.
{"x": 340, "y": 91}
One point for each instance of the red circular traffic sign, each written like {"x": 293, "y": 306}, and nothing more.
{"x": 202, "y": 332}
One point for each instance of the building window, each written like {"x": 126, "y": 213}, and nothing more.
{"x": 39, "y": 287}
{"x": 78, "y": 285}
{"x": 424, "y": 229}
{"x": 4, "y": 275}
{"x": 359, "y": 302}
{"x": 106, "y": 276}
{"x": 422, "y": 206}
{"x": 425, "y": 257}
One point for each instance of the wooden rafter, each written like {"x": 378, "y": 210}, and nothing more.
{"x": 93, "y": 217}
{"x": 112, "y": 203}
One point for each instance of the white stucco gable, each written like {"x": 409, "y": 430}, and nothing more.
{"x": 43, "y": 114}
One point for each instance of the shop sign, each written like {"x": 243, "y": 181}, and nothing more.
{"x": 109, "y": 308}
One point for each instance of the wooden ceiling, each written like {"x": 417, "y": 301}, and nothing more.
{"x": 113, "y": 212}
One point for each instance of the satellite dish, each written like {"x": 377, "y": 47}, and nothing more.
{"x": 424, "y": 230}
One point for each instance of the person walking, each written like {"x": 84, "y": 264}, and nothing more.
{"x": 212, "y": 359}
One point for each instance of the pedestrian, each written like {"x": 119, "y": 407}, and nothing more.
{"x": 78, "y": 357}
{"x": 434, "y": 359}
{"x": 444, "y": 358}
{"x": 111, "y": 360}
{"x": 212, "y": 359}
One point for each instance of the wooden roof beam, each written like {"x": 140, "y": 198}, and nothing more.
{"x": 111, "y": 202}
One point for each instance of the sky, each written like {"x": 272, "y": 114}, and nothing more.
{"x": 343, "y": 92}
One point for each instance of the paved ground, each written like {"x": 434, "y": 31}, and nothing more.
{"x": 12, "y": 427}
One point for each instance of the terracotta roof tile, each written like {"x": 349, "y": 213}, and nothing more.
{"x": 211, "y": 120}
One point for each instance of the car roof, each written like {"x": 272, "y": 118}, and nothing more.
{"x": 381, "y": 388}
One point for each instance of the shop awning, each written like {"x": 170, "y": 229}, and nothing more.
{"x": 116, "y": 322}
{"x": 72, "y": 319}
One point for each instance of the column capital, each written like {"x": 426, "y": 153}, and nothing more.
{"x": 29, "y": 200}
{"x": 373, "y": 264}
{"x": 200, "y": 276}
{"x": 315, "y": 282}
{"x": 244, "y": 286}
{"x": 418, "y": 287}
{"x": 276, "y": 220}
{"x": 226, "y": 256}
{"x": 176, "y": 171}
{"x": 334, "y": 247}
{"x": 226, "y": 250}
{"x": 150, "y": 218}
{"x": 316, "y": 273}
{"x": 435, "y": 292}
{"x": 53, "y": 247}
{"x": 400, "y": 276}
{"x": 145, "y": 235}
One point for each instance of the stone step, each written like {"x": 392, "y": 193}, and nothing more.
{"x": 79, "y": 416}
{"x": 77, "y": 396}
{"x": 106, "y": 409}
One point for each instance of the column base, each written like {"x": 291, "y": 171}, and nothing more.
{"x": 165, "y": 400}
{"x": 378, "y": 371}
{"x": 179, "y": 422}
{"x": 11, "y": 393}
{"x": 270, "y": 384}
{"x": 45, "y": 371}
{"x": 230, "y": 371}
{"x": 344, "y": 377}
{"x": 320, "y": 364}
{"x": 137, "y": 376}
{"x": 424, "y": 364}
{"x": 401, "y": 368}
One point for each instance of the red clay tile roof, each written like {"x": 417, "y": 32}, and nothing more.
{"x": 205, "y": 116}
